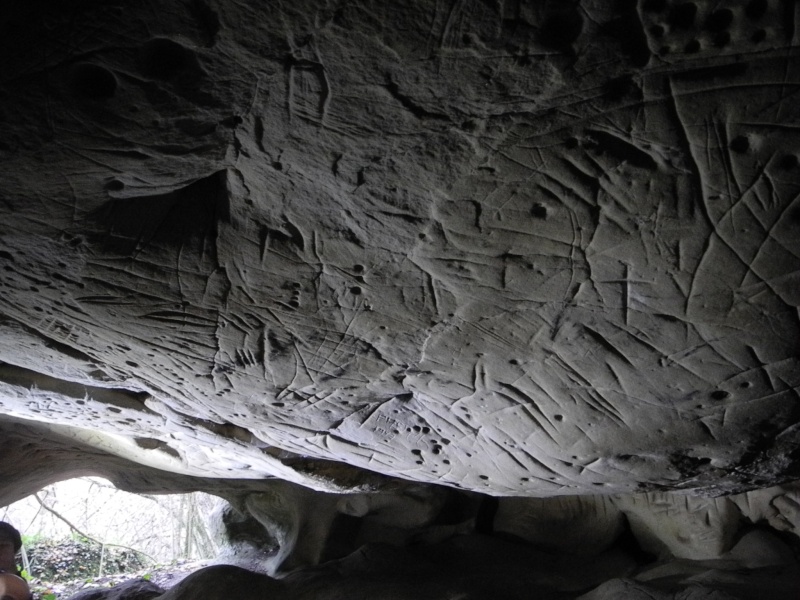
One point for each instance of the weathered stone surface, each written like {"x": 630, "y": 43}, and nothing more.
{"x": 477, "y": 568}
{"x": 286, "y": 527}
{"x": 577, "y": 525}
{"x": 524, "y": 251}
{"x": 515, "y": 248}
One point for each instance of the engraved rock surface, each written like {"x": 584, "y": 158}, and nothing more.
{"x": 446, "y": 299}
{"x": 523, "y": 249}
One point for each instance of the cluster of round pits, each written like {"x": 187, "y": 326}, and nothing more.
{"x": 295, "y": 301}
{"x": 691, "y": 27}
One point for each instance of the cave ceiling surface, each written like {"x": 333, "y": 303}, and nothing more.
{"x": 521, "y": 248}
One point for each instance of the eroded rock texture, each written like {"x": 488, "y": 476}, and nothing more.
{"x": 519, "y": 248}
{"x": 522, "y": 248}
{"x": 514, "y": 249}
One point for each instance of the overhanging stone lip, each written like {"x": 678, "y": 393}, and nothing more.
{"x": 468, "y": 254}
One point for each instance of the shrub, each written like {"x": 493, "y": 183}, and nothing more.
{"x": 65, "y": 560}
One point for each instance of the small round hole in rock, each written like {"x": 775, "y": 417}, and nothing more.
{"x": 756, "y": 9}
{"x": 692, "y": 47}
{"x": 539, "y": 211}
{"x": 232, "y": 122}
{"x": 719, "y": 20}
{"x": 740, "y": 144}
{"x": 115, "y": 185}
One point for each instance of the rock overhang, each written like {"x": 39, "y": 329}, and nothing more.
{"x": 540, "y": 252}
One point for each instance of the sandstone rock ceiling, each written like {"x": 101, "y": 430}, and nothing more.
{"x": 521, "y": 248}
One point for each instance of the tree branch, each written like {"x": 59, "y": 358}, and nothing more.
{"x": 61, "y": 517}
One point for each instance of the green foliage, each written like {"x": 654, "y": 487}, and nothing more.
{"x": 50, "y": 596}
{"x": 69, "y": 560}
{"x": 146, "y": 576}
{"x": 24, "y": 574}
{"x": 36, "y": 538}
{"x": 76, "y": 537}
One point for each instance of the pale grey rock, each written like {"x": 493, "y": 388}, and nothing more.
{"x": 283, "y": 527}
{"x": 778, "y": 506}
{"x": 516, "y": 249}
{"x": 525, "y": 252}
{"x": 582, "y": 525}
{"x": 681, "y": 526}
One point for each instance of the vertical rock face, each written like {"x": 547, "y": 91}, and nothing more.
{"x": 518, "y": 248}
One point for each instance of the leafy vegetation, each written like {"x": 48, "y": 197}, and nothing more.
{"x": 79, "y": 558}
{"x": 98, "y": 527}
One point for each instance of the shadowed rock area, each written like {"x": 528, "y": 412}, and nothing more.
{"x": 391, "y": 259}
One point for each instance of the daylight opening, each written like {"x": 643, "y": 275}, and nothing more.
{"x": 89, "y": 531}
